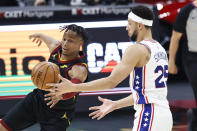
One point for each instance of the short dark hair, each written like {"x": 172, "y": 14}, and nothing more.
{"x": 78, "y": 29}
{"x": 143, "y": 12}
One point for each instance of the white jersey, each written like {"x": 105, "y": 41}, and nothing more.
{"x": 148, "y": 83}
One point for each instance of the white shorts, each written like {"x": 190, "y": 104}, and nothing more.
{"x": 152, "y": 117}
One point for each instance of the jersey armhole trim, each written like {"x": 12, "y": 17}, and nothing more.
{"x": 146, "y": 47}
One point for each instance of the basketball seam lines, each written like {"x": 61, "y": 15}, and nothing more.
{"x": 38, "y": 71}
{"x": 53, "y": 73}
{"x": 44, "y": 77}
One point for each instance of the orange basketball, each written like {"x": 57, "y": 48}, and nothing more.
{"x": 44, "y": 72}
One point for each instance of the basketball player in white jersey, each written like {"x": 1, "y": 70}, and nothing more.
{"x": 147, "y": 64}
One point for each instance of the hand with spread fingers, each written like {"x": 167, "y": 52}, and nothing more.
{"x": 52, "y": 99}
{"x": 39, "y": 38}
{"x": 36, "y": 38}
{"x": 102, "y": 110}
{"x": 60, "y": 88}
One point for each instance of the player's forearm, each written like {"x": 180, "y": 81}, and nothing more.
{"x": 49, "y": 41}
{"x": 125, "y": 102}
{"x": 173, "y": 49}
{"x": 100, "y": 84}
{"x": 174, "y": 45}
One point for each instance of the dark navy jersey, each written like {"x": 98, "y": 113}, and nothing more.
{"x": 65, "y": 66}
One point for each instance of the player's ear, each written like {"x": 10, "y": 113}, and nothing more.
{"x": 140, "y": 26}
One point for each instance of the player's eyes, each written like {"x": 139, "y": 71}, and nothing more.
{"x": 70, "y": 41}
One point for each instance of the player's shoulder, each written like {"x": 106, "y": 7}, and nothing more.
{"x": 55, "y": 48}
{"x": 81, "y": 61}
{"x": 82, "y": 58}
{"x": 151, "y": 44}
{"x": 80, "y": 66}
{"x": 137, "y": 49}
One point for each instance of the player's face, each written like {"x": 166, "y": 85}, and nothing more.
{"x": 71, "y": 43}
{"x": 132, "y": 30}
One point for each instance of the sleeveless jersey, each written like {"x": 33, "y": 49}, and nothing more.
{"x": 64, "y": 67}
{"x": 149, "y": 83}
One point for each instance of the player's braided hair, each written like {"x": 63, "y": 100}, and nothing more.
{"x": 78, "y": 29}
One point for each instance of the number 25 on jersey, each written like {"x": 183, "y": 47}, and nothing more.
{"x": 161, "y": 80}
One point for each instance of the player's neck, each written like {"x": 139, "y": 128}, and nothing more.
{"x": 69, "y": 57}
{"x": 147, "y": 35}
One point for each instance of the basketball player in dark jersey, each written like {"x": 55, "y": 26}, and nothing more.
{"x": 52, "y": 114}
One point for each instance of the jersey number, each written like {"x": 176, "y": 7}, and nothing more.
{"x": 162, "y": 74}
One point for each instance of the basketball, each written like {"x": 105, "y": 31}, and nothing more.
{"x": 43, "y": 73}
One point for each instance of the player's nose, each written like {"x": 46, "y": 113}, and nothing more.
{"x": 64, "y": 43}
{"x": 127, "y": 28}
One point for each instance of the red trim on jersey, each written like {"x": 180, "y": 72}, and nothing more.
{"x": 146, "y": 100}
{"x": 82, "y": 64}
{"x": 62, "y": 61}
{"x": 66, "y": 71}
{"x": 56, "y": 49}
{"x": 137, "y": 98}
{"x": 144, "y": 75}
{"x": 12, "y": 97}
{"x": 69, "y": 61}
{"x": 152, "y": 117}
{"x": 133, "y": 85}
{"x": 5, "y": 125}
{"x": 145, "y": 85}
{"x": 139, "y": 123}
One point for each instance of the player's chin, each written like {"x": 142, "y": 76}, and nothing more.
{"x": 65, "y": 53}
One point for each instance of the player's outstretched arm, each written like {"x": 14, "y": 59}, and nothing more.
{"x": 49, "y": 41}
{"x": 132, "y": 56}
{"x": 109, "y": 106}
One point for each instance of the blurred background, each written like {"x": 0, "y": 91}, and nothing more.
{"x": 105, "y": 21}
